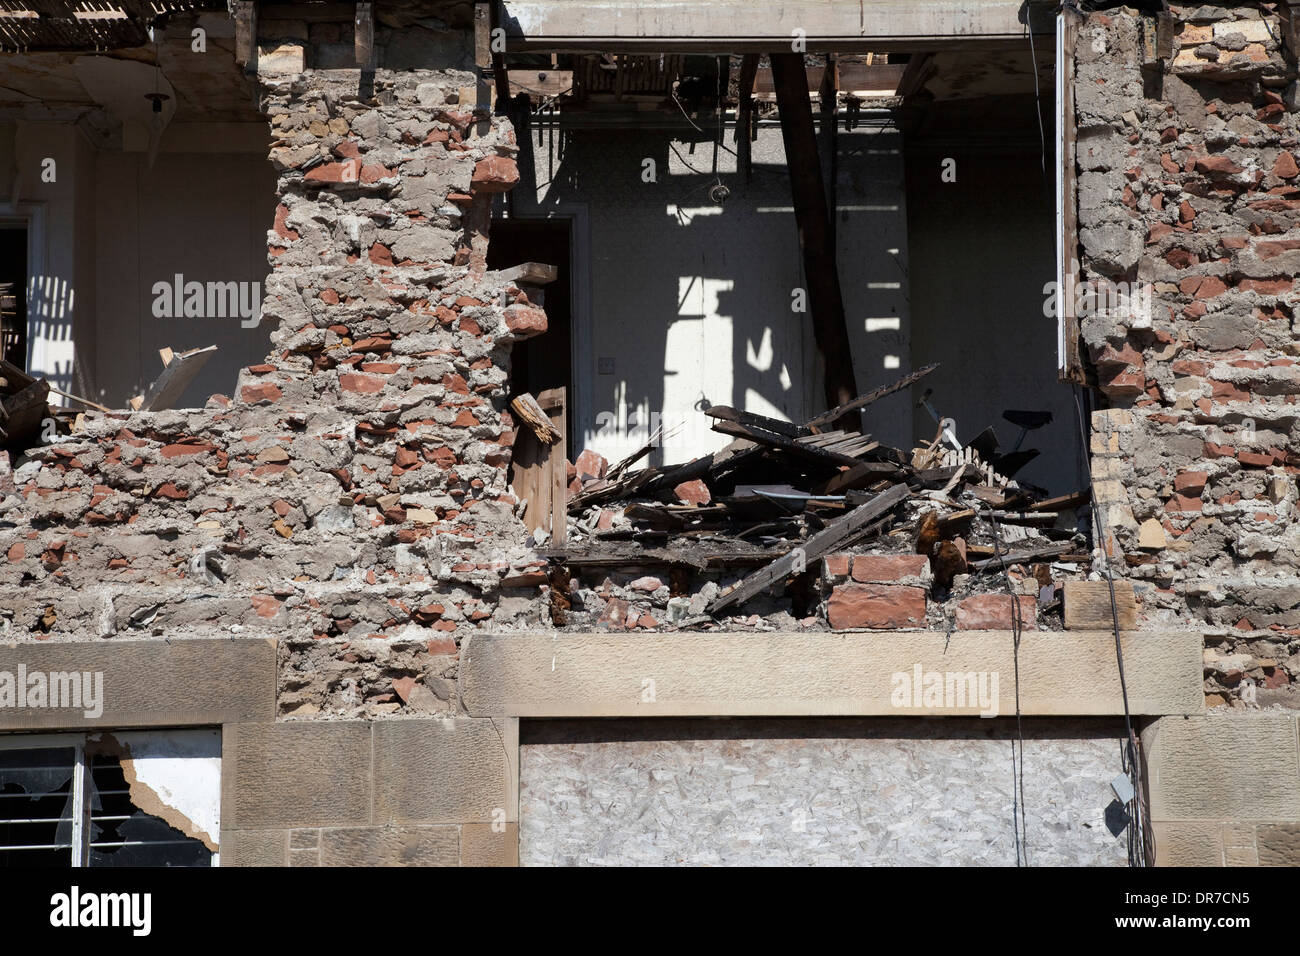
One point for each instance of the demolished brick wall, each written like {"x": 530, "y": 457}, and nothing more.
{"x": 1188, "y": 184}
{"x": 351, "y": 497}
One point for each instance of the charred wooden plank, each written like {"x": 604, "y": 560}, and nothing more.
{"x": 728, "y": 414}
{"x": 862, "y": 401}
{"x": 813, "y": 219}
{"x": 812, "y": 549}
{"x": 781, "y": 442}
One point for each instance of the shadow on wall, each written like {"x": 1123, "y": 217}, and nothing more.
{"x": 691, "y": 300}
{"x": 981, "y": 249}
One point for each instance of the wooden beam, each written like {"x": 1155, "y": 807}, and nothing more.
{"x": 245, "y": 34}
{"x": 740, "y": 26}
{"x": 364, "y": 35}
{"x": 746, "y": 128}
{"x": 825, "y": 300}
{"x": 812, "y": 549}
{"x": 542, "y": 84}
{"x": 825, "y": 418}
{"x": 554, "y": 401}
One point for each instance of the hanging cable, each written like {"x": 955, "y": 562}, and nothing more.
{"x": 1137, "y": 842}
{"x": 1018, "y": 748}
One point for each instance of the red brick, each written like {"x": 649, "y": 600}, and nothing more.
{"x": 182, "y": 448}
{"x": 525, "y": 321}
{"x": 876, "y": 606}
{"x": 1190, "y": 482}
{"x": 1255, "y": 459}
{"x": 281, "y": 229}
{"x": 1183, "y": 503}
{"x": 265, "y": 605}
{"x": 1228, "y": 392}
{"x": 345, "y": 172}
{"x": 1217, "y": 166}
{"x": 252, "y": 394}
{"x": 1211, "y": 450}
{"x": 1209, "y": 287}
{"x": 362, "y": 384}
{"x": 169, "y": 490}
{"x": 837, "y": 565}
{"x": 1284, "y": 167}
{"x": 888, "y": 567}
{"x": 591, "y": 465}
{"x": 496, "y": 174}
{"x": 1265, "y": 286}
{"x": 16, "y": 553}
{"x": 993, "y": 612}
{"x": 442, "y": 647}
{"x": 688, "y": 492}
{"x": 372, "y": 174}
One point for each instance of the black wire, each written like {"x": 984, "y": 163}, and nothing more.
{"x": 1137, "y": 834}
{"x": 1018, "y": 749}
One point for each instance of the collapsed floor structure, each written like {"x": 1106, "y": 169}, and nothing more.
{"x": 496, "y": 433}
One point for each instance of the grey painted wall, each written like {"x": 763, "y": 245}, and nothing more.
{"x": 982, "y": 249}
{"x": 203, "y": 215}
{"x": 826, "y": 792}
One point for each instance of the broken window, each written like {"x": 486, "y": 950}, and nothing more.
{"x": 132, "y": 799}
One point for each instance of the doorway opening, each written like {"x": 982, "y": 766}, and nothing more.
{"x": 545, "y": 361}
{"x": 13, "y": 294}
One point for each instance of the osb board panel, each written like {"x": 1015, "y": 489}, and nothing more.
{"x": 815, "y": 792}
{"x": 182, "y": 683}
{"x": 778, "y": 674}
{"x": 1224, "y": 766}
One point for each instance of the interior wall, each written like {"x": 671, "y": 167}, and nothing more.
{"x": 201, "y": 215}
{"x": 982, "y": 250}
{"x": 816, "y": 792}
{"x": 60, "y": 306}
{"x": 691, "y": 302}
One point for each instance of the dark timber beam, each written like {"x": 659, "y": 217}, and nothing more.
{"x": 746, "y": 129}
{"x": 825, "y": 300}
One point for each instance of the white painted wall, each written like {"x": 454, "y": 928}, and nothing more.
{"x": 690, "y": 301}
{"x": 61, "y": 329}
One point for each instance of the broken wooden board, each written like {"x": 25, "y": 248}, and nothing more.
{"x": 860, "y": 475}
{"x": 1087, "y": 606}
{"x": 179, "y": 371}
{"x": 825, "y": 418}
{"x": 812, "y": 549}
{"x": 22, "y": 413}
{"x": 728, "y": 414}
{"x": 781, "y": 442}
{"x": 530, "y": 273}
{"x": 1022, "y": 557}
{"x": 526, "y": 407}
{"x": 540, "y": 470}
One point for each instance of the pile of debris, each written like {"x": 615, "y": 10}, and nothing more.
{"x": 788, "y": 522}
{"x": 27, "y": 418}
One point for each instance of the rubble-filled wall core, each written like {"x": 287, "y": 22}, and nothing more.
{"x": 350, "y": 497}
{"x": 349, "y": 501}
{"x": 1188, "y": 185}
